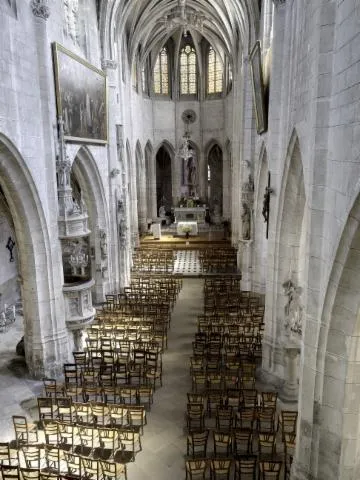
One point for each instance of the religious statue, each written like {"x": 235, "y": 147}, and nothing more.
{"x": 266, "y": 204}
{"x": 103, "y": 244}
{"x": 246, "y": 221}
{"x": 191, "y": 173}
{"x": 293, "y": 307}
{"x": 162, "y": 211}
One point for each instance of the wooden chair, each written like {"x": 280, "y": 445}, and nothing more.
{"x": 52, "y": 460}
{"x": 89, "y": 468}
{"x": 137, "y": 416}
{"x": 246, "y": 467}
{"x": 268, "y": 399}
{"x": 25, "y": 432}
{"x": 10, "y": 472}
{"x": 287, "y": 422}
{"x": 245, "y": 418}
{"x": 50, "y": 428}
{"x": 222, "y": 444}
{"x": 130, "y": 441}
{"x": 220, "y": 468}
{"x": 195, "y": 416}
{"x": 196, "y": 443}
{"x": 242, "y": 442}
{"x": 113, "y": 471}
{"x": 5, "y": 453}
{"x": 224, "y": 418}
{"x": 269, "y": 470}
{"x": 266, "y": 419}
{"x": 29, "y": 456}
{"x": 30, "y": 473}
{"x": 266, "y": 445}
{"x": 196, "y": 469}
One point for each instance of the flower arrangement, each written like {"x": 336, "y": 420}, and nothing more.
{"x": 186, "y": 229}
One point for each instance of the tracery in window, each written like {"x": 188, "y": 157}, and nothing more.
{"x": 215, "y": 72}
{"x": 161, "y": 73}
{"x": 188, "y": 83}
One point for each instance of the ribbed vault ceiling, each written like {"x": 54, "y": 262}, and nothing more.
{"x": 229, "y": 25}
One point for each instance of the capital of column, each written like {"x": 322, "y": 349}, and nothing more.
{"x": 40, "y": 9}
{"x": 108, "y": 63}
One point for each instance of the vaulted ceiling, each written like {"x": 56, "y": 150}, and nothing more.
{"x": 146, "y": 25}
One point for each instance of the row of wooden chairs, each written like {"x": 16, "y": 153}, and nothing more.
{"x": 92, "y": 413}
{"x": 228, "y": 469}
{"x": 124, "y": 393}
{"x": 63, "y": 465}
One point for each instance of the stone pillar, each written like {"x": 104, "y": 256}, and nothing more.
{"x": 110, "y": 281}
{"x": 245, "y": 252}
{"x": 46, "y": 336}
{"x": 290, "y": 390}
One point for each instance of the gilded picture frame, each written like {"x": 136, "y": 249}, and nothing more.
{"x": 258, "y": 88}
{"x": 81, "y": 97}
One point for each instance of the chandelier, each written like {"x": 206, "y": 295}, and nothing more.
{"x": 180, "y": 17}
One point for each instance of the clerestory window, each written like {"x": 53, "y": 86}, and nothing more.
{"x": 215, "y": 72}
{"x": 161, "y": 73}
{"x": 188, "y": 73}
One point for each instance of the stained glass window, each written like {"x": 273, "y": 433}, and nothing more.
{"x": 215, "y": 72}
{"x": 188, "y": 83}
{"x": 161, "y": 73}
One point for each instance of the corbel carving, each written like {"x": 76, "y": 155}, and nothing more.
{"x": 40, "y": 9}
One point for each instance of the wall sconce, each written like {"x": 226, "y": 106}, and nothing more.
{"x": 10, "y": 246}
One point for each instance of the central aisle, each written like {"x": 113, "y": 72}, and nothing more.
{"x": 164, "y": 439}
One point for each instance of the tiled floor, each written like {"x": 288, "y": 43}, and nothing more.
{"x": 187, "y": 262}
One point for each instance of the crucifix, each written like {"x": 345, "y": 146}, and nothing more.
{"x": 266, "y": 205}
{"x": 10, "y": 246}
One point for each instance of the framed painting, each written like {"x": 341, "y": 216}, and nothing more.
{"x": 81, "y": 97}
{"x": 258, "y": 89}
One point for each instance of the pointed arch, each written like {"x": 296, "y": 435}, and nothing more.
{"x": 215, "y": 176}
{"x": 289, "y": 231}
{"x": 87, "y": 173}
{"x": 150, "y": 175}
{"x": 45, "y": 334}
{"x": 140, "y": 188}
{"x": 336, "y": 428}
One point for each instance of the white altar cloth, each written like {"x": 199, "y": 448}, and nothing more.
{"x": 180, "y": 226}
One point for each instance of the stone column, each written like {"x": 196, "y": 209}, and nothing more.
{"x": 290, "y": 390}
{"x": 46, "y": 336}
{"x": 245, "y": 252}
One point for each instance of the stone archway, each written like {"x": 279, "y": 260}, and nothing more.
{"x": 40, "y": 267}
{"x": 164, "y": 179}
{"x": 150, "y": 182}
{"x": 140, "y": 188}
{"x": 290, "y": 240}
{"x": 86, "y": 172}
{"x": 335, "y": 428}
{"x": 215, "y": 179}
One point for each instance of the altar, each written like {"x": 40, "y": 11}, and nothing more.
{"x": 182, "y": 228}
{"x": 190, "y": 214}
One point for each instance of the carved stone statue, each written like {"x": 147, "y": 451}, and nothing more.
{"x": 162, "y": 211}
{"x": 103, "y": 244}
{"x": 293, "y": 307}
{"x": 246, "y": 221}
